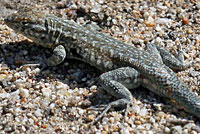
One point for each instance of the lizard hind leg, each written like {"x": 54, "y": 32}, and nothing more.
{"x": 116, "y": 83}
{"x": 174, "y": 62}
{"x": 180, "y": 55}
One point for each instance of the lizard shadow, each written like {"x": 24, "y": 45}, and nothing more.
{"x": 15, "y": 55}
{"x": 81, "y": 74}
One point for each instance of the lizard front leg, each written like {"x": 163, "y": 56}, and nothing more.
{"x": 116, "y": 83}
{"x": 57, "y": 57}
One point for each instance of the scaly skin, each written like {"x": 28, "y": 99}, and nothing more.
{"x": 127, "y": 66}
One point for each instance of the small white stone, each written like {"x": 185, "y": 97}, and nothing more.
{"x": 29, "y": 114}
{"x": 73, "y": 6}
{"x": 46, "y": 92}
{"x": 105, "y": 120}
{"x": 177, "y": 130}
{"x": 96, "y": 8}
{"x": 37, "y": 86}
{"x": 60, "y": 86}
{"x": 28, "y": 69}
{"x": 163, "y": 20}
{"x": 52, "y": 105}
{"x": 189, "y": 125}
{"x": 81, "y": 111}
{"x": 161, "y": 6}
{"x": 23, "y": 128}
{"x": 24, "y": 92}
{"x": 17, "y": 110}
{"x": 146, "y": 15}
{"x": 152, "y": 120}
{"x": 160, "y": 114}
{"x": 152, "y": 9}
{"x": 158, "y": 40}
{"x": 198, "y": 37}
{"x": 17, "y": 119}
{"x": 46, "y": 84}
{"x": 150, "y": 132}
{"x": 45, "y": 102}
{"x": 194, "y": 132}
{"x": 143, "y": 112}
{"x": 114, "y": 21}
{"x": 148, "y": 126}
{"x": 136, "y": 109}
{"x": 141, "y": 127}
{"x": 101, "y": 1}
{"x": 37, "y": 70}
{"x": 17, "y": 74}
{"x": 15, "y": 95}
{"x": 150, "y": 20}
{"x": 53, "y": 97}
{"x": 125, "y": 131}
{"x": 38, "y": 113}
{"x": 24, "y": 120}
{"x": 167, "y": 130}
{"x": 158, "y": 28}
{"x": 4, "y": 95}
{"x": 63, "y": 92}
{"x": 185, "y": 131}
{"x": 31, "y": 121}
{"x": 94, "y": 87}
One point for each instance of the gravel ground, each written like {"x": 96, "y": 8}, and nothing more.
{"x": 59, "y": 99}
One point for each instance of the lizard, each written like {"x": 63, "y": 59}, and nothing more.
{"x": 123, "y": 66}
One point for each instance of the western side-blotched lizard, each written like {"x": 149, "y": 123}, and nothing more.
{"x": 124, "y": 66}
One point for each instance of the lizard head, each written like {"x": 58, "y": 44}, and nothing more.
{"x": 20, "y": 21}
{"x": 28, "y": 23}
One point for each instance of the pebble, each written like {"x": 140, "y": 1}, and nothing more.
{"x": 195, "y": 73}
{"x": 177, "y": 130}
{"x": 161, "y": 7}
{"x": 167, "y": 130}
{"x": 125, "y": 131}
{"x": 185, "y": 21}
{"x": 52, "y": 105}
{"x": 4, "y": 95}
{"x": 38, "y": 113}
{"x": 94, "y": 87}
{"x": 163, "y": 21}
{"x": 143, "y": 112}
{"x": 160, "y": 114}
{"x": 96, "y": 8}
{"x": 136, "y": 109}
{"x": 45, "y": 103}
{"x": 2, "y": 76}
{"x": 150, "y": 22}
{"x": 24, "y": 92}
{"x": 15, "y": 95}
{"x": 46, "y": 92}
{"x": 158, "y": 28}
{"x": 194, "y": 132}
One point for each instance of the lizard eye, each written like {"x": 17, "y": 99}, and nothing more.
{"x": 24, "y": 22}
